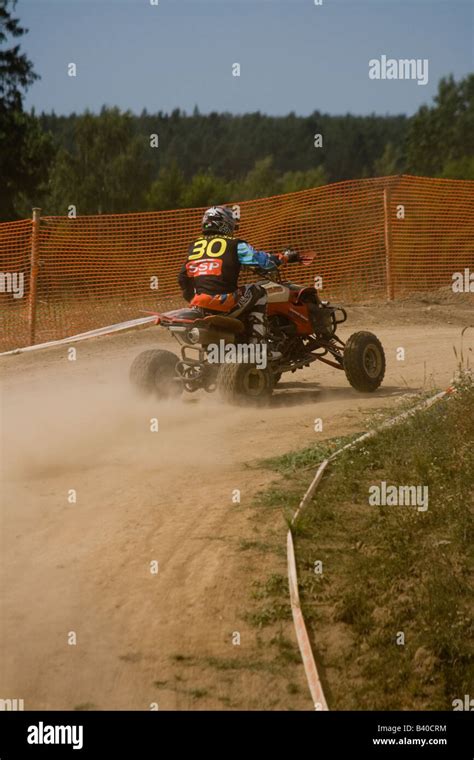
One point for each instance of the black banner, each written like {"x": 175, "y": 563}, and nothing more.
{"x": 143, "y": 734}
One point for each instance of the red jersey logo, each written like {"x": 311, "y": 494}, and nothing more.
{"x": 206, "y": 268}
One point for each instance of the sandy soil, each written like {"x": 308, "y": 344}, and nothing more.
{"x": 163, "y": 496}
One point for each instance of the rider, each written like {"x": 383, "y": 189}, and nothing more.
{"x": 208, "y": 278}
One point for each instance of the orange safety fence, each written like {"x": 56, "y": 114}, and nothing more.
{"x": 374, "y": 239}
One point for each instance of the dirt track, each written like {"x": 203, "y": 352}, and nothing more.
{"x": 164, "y": 496}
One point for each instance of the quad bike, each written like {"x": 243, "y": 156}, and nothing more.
{"x": 301, "y": 330}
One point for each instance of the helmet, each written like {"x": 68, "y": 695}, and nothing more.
{"x": 219, "y": 219}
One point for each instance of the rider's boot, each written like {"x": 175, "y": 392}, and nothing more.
{"x": 258, "y": 332}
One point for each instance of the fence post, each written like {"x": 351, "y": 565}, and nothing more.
{"x": 34, "y": 273}
{"x": 388, "y": 244}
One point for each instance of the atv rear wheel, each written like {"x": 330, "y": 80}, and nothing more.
{"x": 244, "y": 383}
{"x": 364, "y": 361}
{"x": 154, "y": 372}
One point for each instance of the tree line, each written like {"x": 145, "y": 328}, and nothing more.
{"x": 117, "y": 161}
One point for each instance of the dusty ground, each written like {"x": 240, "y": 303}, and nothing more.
{"x": 84, "y": 567}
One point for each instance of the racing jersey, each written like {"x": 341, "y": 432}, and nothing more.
{"x": 214, "y": 261}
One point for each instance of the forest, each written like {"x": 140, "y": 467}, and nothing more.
{"x": 116, "y": 161}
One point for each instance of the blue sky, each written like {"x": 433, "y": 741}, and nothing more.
{"x": 294, "y": 55}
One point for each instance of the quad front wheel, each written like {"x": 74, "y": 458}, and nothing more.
{"x": 364, "y": 361}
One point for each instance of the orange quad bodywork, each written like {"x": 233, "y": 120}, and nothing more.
{"x": 294, "y": 310}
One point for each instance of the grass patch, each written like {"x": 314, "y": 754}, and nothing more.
{"x": 307, "y": 457}
{"x": 393, "y": 604}
{"x": 278, "y": 657}
{"x": 311, "y": 456}
{"x": 274, "y": 601}
{"x": 239, "y": 663}
{"x": 182, "y": 658}
{"x": 198, "y": 693}
{"x": 245, "y": 545}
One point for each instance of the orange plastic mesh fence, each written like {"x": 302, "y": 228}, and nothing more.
{"x": 15, "y": 251}
{"x": 373, "y": 238}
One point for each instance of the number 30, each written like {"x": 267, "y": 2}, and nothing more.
{"x": 208, "y": 248}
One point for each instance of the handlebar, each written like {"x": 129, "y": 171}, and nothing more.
{"x": 269, "y": 274}
{"x": 304, "y": 258}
